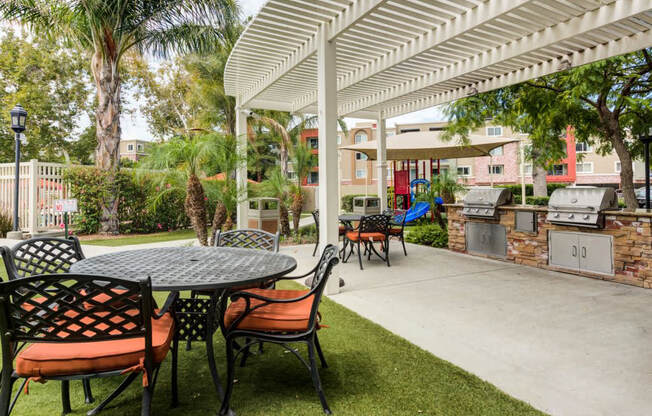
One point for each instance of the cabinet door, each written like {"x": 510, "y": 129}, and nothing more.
{"x": 563, "y": 250}
{"x": 596, "y": 253}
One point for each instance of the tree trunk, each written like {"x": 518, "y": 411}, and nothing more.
{"x": 228, "y": 224}
{"x": 297, "y": 207}
{"x": 218, "y": 219}
{"x": 107, "y": 120}
{"x": 195, "y": 206}
{"x": 285, "y": 219}
{"x": 539, "y": 182}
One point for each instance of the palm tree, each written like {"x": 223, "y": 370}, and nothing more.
{"x": 303, "y": 160}
{"x": 277, "y": 186}
{"x": 108, "y": 29}
{"x": 183, "y": 161}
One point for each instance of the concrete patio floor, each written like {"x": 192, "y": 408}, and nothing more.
{"x": 568, "y": 345}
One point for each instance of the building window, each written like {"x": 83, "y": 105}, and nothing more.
{"x": 498, "y": 151}
{"x": 463, "y": 170}
{"x": 494, "y": 131}
{"x": 130, "y": 147}
{"x": 292, "y": 175}
{"x": 527, "y": 169}
{"x": 313, "y": 142}
{"x": 313, "y": 178}
{"x": 339, "y": 139}
{"x": 360, "y": 137}
{"x": 360, "y": 156}
{"x": 139, "y": 147}
{"x": 584, "y": 167}
{"x": 409, "y": 130}
{"x": 617, "y": 167}
{"x": 436, "y": 128}
{"x": 496, "y": 169}
{"x": 583, "y": 147}
{"x": 558, "y": 170}
{"x": 361, "y": 173}
{"x": 389, "y": 133}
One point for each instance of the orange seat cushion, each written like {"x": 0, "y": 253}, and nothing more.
{"x": 275, "y": 317}
{"x": 62, "y": 359}
{"x": 353, "y": 236}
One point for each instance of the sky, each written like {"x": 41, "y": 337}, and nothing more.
{"x": 134, "y": 126}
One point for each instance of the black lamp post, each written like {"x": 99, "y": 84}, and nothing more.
{"x": 646, "y": 139}
{"x": 18, "y": 120}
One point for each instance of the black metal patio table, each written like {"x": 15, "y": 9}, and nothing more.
{"x": 177, "y": 269}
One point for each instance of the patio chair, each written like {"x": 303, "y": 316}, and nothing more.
{"x": 397, "y": 225}
{"x": 78, "y": 327}
{"x": 192, "y": 311}
{"x": 44, "y": 255}
{"x": 372, "y": 228}
{"x": 315, "y": 217}
{"x": 279, "y": 317}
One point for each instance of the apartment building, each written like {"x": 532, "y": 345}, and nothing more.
{"x": 133, "y": 149}
{"x": 583, "y": 165}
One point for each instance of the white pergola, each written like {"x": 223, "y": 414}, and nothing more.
{"x": 378, "y": 59}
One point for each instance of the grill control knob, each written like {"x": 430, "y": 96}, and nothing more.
{"x": 570, "y": 216}
{"x": 486, "y": 211}
{"x": 586, "y": 216}
{"x": 477, "y": 210}
{"x": 556, "y": 215}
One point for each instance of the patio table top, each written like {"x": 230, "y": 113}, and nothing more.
{"x": 190, "y": 268}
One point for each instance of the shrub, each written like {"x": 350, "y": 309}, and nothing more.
{"x": 135, "y": 214}
{"x": 532, "y": 200}
{"x": 529, "y": 188}
{"x": 6, "y": 223}
{"x": 431, "y": 235}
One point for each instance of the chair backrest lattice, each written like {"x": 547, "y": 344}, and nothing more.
{"x": 329, "y": 258}
{"x": 44, "y": 255}
{"x": 374, "y": 224}
{"x": 248, "y": 238}
{"x": 74, "y": 308}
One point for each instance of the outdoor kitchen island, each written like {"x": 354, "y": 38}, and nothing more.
{"x": 620, "y": 250}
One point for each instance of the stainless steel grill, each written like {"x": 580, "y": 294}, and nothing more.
{"x": 581, "y": 206}
{"x": 482, "y": 202}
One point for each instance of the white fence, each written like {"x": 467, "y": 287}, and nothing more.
{"x": 40, "y": 185}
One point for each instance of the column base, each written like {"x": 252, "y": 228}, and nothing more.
{"x": 15, "y": 235}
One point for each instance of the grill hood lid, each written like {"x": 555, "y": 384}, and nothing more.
{"x": 487, "y": 197}
{"x": 583, "y": 198}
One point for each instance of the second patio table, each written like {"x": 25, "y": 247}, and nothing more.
{"x": 177, "y": 269}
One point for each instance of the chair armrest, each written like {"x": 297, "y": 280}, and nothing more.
{"x": 248, "y": 295}
{"x": 169, "y": 302}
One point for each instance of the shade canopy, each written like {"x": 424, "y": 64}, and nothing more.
{"x": 429, "y": 145}
{"x": 399, "y": 56}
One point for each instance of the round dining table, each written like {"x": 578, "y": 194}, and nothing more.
{"x": 206, "y": 269}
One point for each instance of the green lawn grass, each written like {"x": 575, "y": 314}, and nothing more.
{"x": 372, "y": 372}
{"x": 143, "y": 238}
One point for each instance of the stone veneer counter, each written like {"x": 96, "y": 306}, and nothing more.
{"x": 630, "y": 230}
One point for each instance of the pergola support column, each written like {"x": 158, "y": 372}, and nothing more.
{"x": 382, "y": 161}
{"x": 328, "y": 174}
{"x": 241, "y": 171}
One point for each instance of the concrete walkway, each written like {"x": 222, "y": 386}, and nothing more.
{"x": 568, "y": 345}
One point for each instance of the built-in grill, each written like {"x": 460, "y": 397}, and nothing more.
{"x": 483, "y": 202}
{"x": 581, "y": 206}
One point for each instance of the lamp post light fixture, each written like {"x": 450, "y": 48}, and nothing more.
{"x": 18, "y": 121}
{"x": 646, "y": 139}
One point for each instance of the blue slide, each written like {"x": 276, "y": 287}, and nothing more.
{"x": 417, "y": 211}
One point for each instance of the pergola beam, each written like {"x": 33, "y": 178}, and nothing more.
{"x": 601, "y": 17}
{"x": 600, "y": 52}
{"x": 338, "y": 25}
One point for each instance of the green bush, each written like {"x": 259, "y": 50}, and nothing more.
{"x": 135, "y": 214}
{"x": 529, "y": 188}
{"x": 431, "y": 235}
{"x": 6, "y": 223}
{"x": 532, "y": 200}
